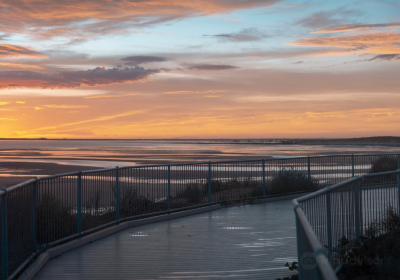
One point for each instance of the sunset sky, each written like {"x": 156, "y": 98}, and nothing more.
{"x": 199, "y": 68}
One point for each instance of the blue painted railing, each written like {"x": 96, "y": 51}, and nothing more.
{"x": 46, "y": 211}
{"x": 343, "y": 211}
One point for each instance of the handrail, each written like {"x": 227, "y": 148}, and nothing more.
{"x": 20, "y": 185}
{"x": 191, "y": 163}
{"x": 307, "y": 240}
{"x": 330, "y": 188}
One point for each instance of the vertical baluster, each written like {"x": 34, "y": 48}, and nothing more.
{"x": 357, "y": 185}
{"x": 79, "y": 203}
{"x": 33, "y": 213}
{"x": 117, "y": 193}
{"x": 309, "y": 172}
{"x": 169, "y": 188}
{"x": 263, "y": 177}
{"x": 209, "y": 182}
{"x": 398, "y": 181}
{"x": 4, "y": 235}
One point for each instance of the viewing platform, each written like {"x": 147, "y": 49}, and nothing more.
{"x": 202, "y": 220}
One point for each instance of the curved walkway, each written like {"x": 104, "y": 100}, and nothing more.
{"x": 240, "y": 242}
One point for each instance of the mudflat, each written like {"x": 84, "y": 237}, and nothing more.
{"x": 15, "y": 172}
{"x": 21, "y": 160}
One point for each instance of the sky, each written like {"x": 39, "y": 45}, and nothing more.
{"x": 199, "y": 68}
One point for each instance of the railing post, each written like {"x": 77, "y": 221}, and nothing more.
{"x": 263, "y": 178}
{"x": 398, "y": 179}
{"x": 4, "y": 236}
{"x": 329, "y": 225}
{"x": 398, "y": 183}
{"x": 357, "y": 209}
{"x": 352, "y": 165}
{"x": 309, "y": 172}
{"x": 169, "y": 188}
{"x": 299, "y": 253}
{"x": 117, "y": 193}
{"x": 305, "y": 252}
{"x": 79, "y": 203}
{"x": 209, "y": 182}
{"x": 33, "y": 213}
{"x": 398, "y": 161}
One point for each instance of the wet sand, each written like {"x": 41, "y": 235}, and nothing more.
{"x": 12, "y": 173}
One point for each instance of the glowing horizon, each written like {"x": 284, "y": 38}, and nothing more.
{"x": 199, "y": 69}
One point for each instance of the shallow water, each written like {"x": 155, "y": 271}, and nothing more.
{"x": 21, "y": 160}
{"x": 107, "y": 153}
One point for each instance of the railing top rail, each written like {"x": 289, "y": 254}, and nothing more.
{"x": 341, "y": 184}
{"x": 379, "y": 174}
{"x": 315, "y": 244}
{"x": 23, "y": 184}
{"x": 349, "y": 155}
{"x": 59, "y": 175}
{"x": 318, "y": 250}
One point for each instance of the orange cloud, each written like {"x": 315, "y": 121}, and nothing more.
{"x": 321, "y": 114}
{"x": 107, "y": 16}
{"x": 99, "y": 119}
{"x": 353, "y": 27}
{"x": 18, "y": 65}
{"x": 211, "y": 67}
{"x": 12, "y": 50}
{"x": 8, "y": 119}
{"x": 285, "y": 103}
{"x": 377, "y": 42}
{"x": 109, "y": 96}
{"x": 71, "y": 79}
{"x": 193, "y": 92}
{"x": 65, "y": 106}
{"x": 4, "y": 103}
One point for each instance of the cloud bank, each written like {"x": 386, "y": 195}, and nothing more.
{"x": 211, "y": 67}
{"x": 387, "y": 57}
{"x": 353, "y": 27}
{"x": 141, "y": 59}
{"x": 382, "y": 40}
{"x": 78, "y": 17}
{"x": 245, "y": 35}
{"x": 71, "y": 79}
{"x": 13, "y": 50}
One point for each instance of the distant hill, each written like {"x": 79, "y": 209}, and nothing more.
{"x": 376, "y": 140}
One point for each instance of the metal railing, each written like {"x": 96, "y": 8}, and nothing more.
{"x": 328, "y": 219}
{"x": 46, "y": 211}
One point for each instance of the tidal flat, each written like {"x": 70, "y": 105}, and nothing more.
{"x": 21, "y": 160}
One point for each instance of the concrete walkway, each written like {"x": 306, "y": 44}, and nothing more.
{"x": 240, "y": 242}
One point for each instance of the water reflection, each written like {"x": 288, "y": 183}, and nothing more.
{"x": 106, "y": 153}
{"x": 19, "y": 159}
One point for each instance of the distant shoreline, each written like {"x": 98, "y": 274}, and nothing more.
{"x": 397, "y": 138}
{"x": 372, "y": 141}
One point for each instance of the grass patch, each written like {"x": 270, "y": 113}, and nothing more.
{"x": 384, "y": 164}
{"x": 287, "y": 181}
{"x": 54, "y": 220}
{"x": 193, "y": 193}
{"x": 378, "y": 254}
